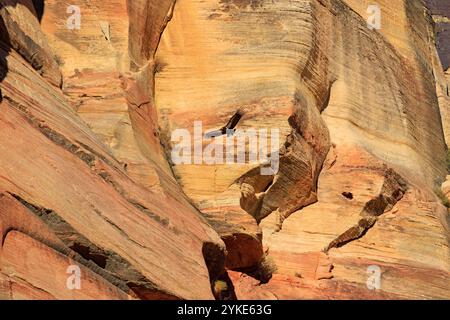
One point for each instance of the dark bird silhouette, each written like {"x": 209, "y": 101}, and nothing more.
{"x": 228, "y": 129}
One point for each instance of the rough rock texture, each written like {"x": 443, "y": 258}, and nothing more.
{"x": 87, "y": 178}
{"x": 79, "y": 205}
{"x": 21, "y": 32}
{"x": 365, "y": 99}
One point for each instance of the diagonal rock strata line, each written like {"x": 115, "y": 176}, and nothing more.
{"x": 89, "y": 157}
{"x": 111, "y": 266}
{"x": 392, "y": 191}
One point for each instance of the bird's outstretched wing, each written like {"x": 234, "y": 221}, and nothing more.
{"x": 232, "y": 123}
{"x": 214, "y": 133}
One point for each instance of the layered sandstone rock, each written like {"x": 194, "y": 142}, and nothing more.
{"x": 358, "y": 118}
{"x": 21, "y": 32}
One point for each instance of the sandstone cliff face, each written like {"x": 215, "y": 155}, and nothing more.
{"x": 363, "y": 99}
{"x": 68, "y": 198}
{"x": 87, "y": 177}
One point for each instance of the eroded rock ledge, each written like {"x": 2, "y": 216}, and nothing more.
{"x": 86, "y": 176}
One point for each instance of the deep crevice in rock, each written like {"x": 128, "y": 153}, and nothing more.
{"x": 109, "y": 265}
{"x": 215, "y": 259}
{"x": 39, "y": 7}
